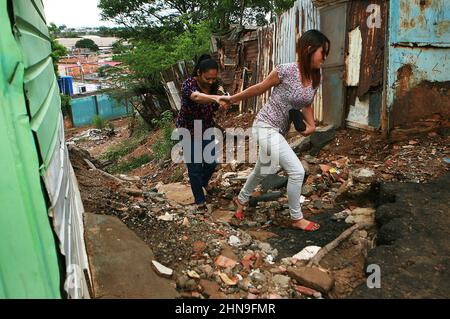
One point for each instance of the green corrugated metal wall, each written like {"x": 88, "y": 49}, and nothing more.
{"x": 28, "y": 255}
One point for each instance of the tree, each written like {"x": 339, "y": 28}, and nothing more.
{"x": 87, "y": 44}
{"x": 118, "y": 47}
{"x": 58, "y": 51}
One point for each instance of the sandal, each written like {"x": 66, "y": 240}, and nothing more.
{"x": 202, "y": 209}
{"x": 239, "y": 213}
{"x": 312, "y": 226}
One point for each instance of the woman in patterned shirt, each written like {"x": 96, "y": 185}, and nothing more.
{"x": 199, "y": 101}
{"x": 295, "y": 85}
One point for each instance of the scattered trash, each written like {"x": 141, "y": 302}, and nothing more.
{"x": 234, "y": 240}
{"x": 307, "y": 253}
{"x": 162, "y": 270}
{"x": 166, "y": 217}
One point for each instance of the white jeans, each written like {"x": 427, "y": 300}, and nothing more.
{"x": 274, "y": 151}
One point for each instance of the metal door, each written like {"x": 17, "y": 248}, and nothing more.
{"x": 333, "y": 25}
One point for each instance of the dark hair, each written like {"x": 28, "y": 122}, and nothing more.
{"x": 204, "y": 64}
{"x": 309, "y": 42}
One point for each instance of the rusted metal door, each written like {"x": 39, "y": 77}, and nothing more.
{"x": 333, "y": 25}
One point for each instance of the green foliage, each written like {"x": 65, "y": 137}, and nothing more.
{"x": 140, "y": 134}
{"x": 129, "y": 165}
{"x": 87, "y": 44}
{"x": 149, "y": 58}
{"x": 65, "y": 104}
{"x": 162, "y": 148}
{"x": 118, "y": 47}
{"x": 99, "y": 123}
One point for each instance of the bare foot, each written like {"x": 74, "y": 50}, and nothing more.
{"x": 305, "y": 224}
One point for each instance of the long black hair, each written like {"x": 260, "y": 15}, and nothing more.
{"x": 309, "y": 42}
{"x": 205, "y": 63}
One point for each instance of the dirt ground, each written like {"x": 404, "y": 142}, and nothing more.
{"x": 193, "y": 242}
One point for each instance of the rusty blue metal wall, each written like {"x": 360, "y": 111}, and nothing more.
{"x": 418, "y": 64}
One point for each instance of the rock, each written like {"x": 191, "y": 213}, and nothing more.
{"x": 166, "y": 217}
{"x": 224, "y": 262}
{"x": 207, "y": 270}
{"x": 305, "y": 291}
{"x": 310, "y": 159}
{"x": 341, "y": 215}
{"x": 261, "y": 235}
{"x": 317, "y": 295}
{"x": 177, "y": 192}
{"x": 193, "y": 274}
{"x": 313, "y": 278}
{"x": 258, "y": 278}
{"x": 274, "y": 296}
{"x": 251, "y": 296}
{"x": 245, "y": 238}
{"x": 199, "y": 246}
{"x": 362, "y": 216}
{"x": 186, "y": 222}
{"x": 245, "y": 284}
{"x": 265, "y": 247}
{"x": 222, "y": 216}
{"x": 281, "y": 281}
{"x": 307, "y": 253}
{"x": 162, "y": 270}
{"x": 227, "y": 280}
{"x": 307, "y": 190}
{"x": 324, "y": 168}
{"x": 211, "y": 289}
{"x": 234, "y": 241}
{"x": 318, "y": 204}
{"x": 182, "y": 281}
{"x": 363, "y": 175}
{"x": 271, "y": 196}
{"x": 228, "y": 252}
{"x": 273, "y": 181}
{"x": 320, "y": 138}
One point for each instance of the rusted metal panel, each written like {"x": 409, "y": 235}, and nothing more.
{"x": 424, "y": 22}
{"x": 370, "y": 17}
{"x": 418, "y": 81}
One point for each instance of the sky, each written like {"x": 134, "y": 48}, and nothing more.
{"x": 74, "y": 13}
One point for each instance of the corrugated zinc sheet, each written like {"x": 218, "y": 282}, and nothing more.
{"x": 28, "y": 254}
{"x": 419, "y": 69}
{"x": 289, "y": 27}
{"x": 42, "y": 97}
{"x": 373, "y": 42}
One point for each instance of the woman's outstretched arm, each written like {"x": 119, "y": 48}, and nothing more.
{"x": 308, "y": 114}
{"x": 257, "y": 89}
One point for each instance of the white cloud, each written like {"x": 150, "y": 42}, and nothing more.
{"x": 74, "y": 13}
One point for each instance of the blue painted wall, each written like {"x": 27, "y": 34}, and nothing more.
{"x": 419, "y": 43}
{"x": 85, "y": 108}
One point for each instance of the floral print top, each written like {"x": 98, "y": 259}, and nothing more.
{"x": 290, "y": 93}
{"x": 191, "y": 110}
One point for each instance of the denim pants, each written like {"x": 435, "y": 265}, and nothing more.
{"x": 274, "y": 151}
{"x": 200, "y": 168}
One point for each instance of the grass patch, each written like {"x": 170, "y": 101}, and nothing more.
{"x": 162, "y": 148}
{"x": 177, "y": 175}
{"x": 140, "y": 134}
{"x": 130, "y": 165}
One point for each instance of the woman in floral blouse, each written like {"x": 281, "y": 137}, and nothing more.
{"x": 295, "y": 85}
